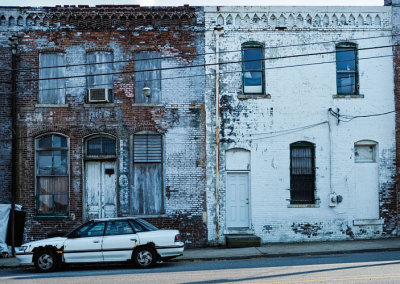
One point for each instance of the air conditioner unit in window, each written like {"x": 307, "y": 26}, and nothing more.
{"x": 99, "y": 95}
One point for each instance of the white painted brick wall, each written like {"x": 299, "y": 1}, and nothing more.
{"x": 300, "y": 96}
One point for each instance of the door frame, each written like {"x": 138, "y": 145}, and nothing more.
{"x": 86, "y": 158}
{"x": 227, "y": 198}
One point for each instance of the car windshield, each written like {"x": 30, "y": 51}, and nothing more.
{"x": 146, "y": 224}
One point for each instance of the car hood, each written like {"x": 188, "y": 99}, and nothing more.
{"x": 56, "y": 242}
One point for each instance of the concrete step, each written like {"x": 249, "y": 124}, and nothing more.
{"x": 242, "y": 241}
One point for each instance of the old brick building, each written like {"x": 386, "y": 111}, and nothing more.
{"x": 111, "y": 120}
{"x": 301, "y": 116}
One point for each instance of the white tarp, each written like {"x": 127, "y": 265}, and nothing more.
{"x": 4, "y": 216}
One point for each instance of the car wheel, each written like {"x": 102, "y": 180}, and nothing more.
{"x": 144, "y": 257}
{"x": 45, "y": 261}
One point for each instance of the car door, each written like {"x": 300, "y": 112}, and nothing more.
{"x": 119, "y": 241}
{"x": 84, "y": 244}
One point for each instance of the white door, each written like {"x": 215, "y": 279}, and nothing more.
{"x": 238, "y": 200}
{"x": 86, "y": 244}
{"x": 101, "y": 192}
{"x": 367, "y": 196}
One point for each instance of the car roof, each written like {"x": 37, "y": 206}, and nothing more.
{"x": 115, "y": 218}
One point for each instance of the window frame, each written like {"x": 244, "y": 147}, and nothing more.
{"x": 161, "y": 162}
{"x": 37, "y": 175}
{"x": 310, "y": 145}
{"x": 98, "y": 157}
{"x": 354, "y": 48}
{"x": 43, "y": 80}
{"x": 253, "y": 45}
{"x": 370, "y": 144}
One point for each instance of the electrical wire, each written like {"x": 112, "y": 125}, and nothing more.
{"x": 198, "y": 65}
{"x": 196, "y": 54}
{"x": 285, "y": 132}
{"x": 348, "y": 118}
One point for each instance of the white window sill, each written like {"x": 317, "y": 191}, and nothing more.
{"x": 254, "y": 96}
{"x": 52, "y": 105}
{"x": 303, "y": 206}
{"x": 342, "y": 96}
{"x": 99, "y": 105}
{"x": 367, "y": 222}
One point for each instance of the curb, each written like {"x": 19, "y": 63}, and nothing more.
{"x": 253, "y": 256}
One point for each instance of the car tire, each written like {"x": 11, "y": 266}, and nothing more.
{"x": 45, "y": 261}
{"x": 144, "y": 257}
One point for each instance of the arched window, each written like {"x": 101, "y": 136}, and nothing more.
{"x": 302, "y": 173}
{"x": 52, "y": 175}
{"x": 346, "y": 68}
{"x": 100, "y": 146}
{"x": 253, "y": 68}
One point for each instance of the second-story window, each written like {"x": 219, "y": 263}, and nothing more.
{"x": 346, "y": 69}
{"x": 252, "y": 68}
{"x": 51, "y": 78}
{"x": 100, "y": 79}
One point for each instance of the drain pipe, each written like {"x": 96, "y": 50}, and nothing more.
{"x": 218, "y": 30}
{"x": 14, "y": 45}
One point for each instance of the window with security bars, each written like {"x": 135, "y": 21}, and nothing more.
{"x": 302, "y": 173}
{"x": 346, "y": 69}
{"x": 147, "y": 197}
{"x": 52, "y": 175}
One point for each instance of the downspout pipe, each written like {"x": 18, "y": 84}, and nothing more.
{"x": 218, "y": 30}
{"x": 14, "y": 46}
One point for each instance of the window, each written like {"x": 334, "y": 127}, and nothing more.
{"x": 365, "y": 152}
{"x": 100, "y": 86}
{"x": 253, "y": 68}
{"x": 147, "y": 198}
{"x": 101, "y": 146}
{"x": 92, "y": 229}
{"x": 51, "y": 91}
{"x": 120, "y": 227}
{"x": 147, "y": 60}
{"x": 346, "y": 69}
{"x": 302, "y": 173}
{"x": 52, "y": 175}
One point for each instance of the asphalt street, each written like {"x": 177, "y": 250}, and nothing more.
{"x": 377, "y": 267}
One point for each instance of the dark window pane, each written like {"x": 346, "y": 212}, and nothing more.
{"x": 60, "y": 203}
{"x": 346, "y": 83}
{"x": 250, "y": 54}
{"x": 253, "y": 78}
{"x": 59, "y": 141}
{"x": 345, "y": 59}
{"x": 137, "y": 226}
{"x": 147, "y": 225}
{"x": 45, "y": 163}
{"x": 46, "y": 203}
{"x": 60, "y": 185}
{"x": 60, "y": 162}
{"x": 45, "y": 185}
{"x": 97, "y": 230}
{"x": 94, "y": 146}
{"x": 108, "y": 146}
{"x": 45, "y": 142}
{"x": 118, "y": 228}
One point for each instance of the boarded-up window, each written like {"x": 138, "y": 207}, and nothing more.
{"x": 147, "y": 197}
{"x": 365, "y": 152}
{"x": 148, "y": 60}
{"x": 302, "y": 173}
{"x": 52, "y": 66}
{"x": 100, "y": 62}
{"x": 52, "y": 175}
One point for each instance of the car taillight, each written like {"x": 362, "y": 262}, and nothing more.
{"x": 177, "y": 238}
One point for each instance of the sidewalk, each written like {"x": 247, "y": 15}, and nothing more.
{"x": 273, "y": 250}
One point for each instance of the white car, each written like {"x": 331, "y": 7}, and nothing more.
{"x": 104, "y": 240}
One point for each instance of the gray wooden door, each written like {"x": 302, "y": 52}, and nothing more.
{"x": 101, "y": 195}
